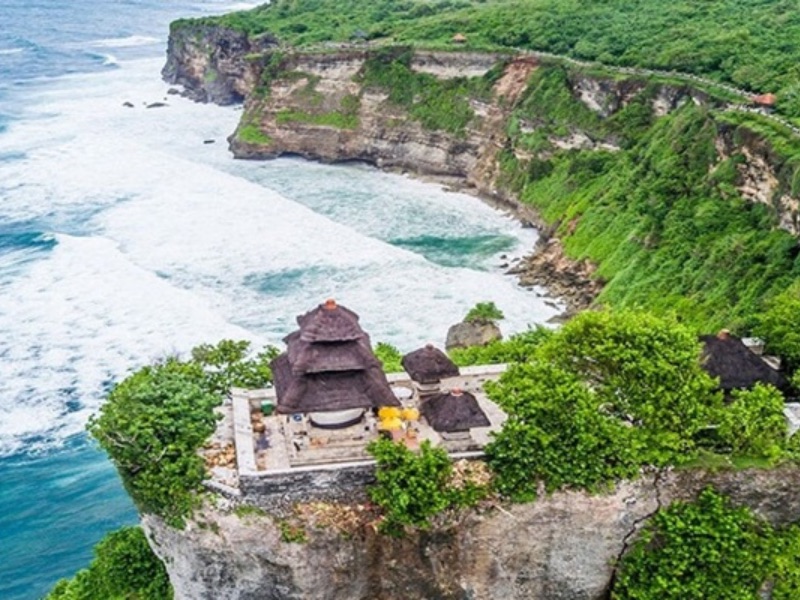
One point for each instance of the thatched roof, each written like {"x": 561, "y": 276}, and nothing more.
{"x": 725, "y": 356}
{"x": 459, "y": 38}
{"x": 454, "y": 411}
{"x": 318, "y": 357}
{"x": 765, "y": 100}
{"x": 429, "y": 365}
{"x": 322, "y": 392}
{"x": 329, "y": 322}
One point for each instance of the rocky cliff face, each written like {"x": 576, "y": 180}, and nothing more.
{"x": 212, "y": 63}
{"x": 561, "y": 547}
{"x": 762, "y": 176}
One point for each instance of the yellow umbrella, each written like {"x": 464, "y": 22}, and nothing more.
{"x": 391, "y": 424}
{"x": 410, "y": 414}
{"x": 388, "y": 412}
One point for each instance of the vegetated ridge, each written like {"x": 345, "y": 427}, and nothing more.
{"x": 660, "y": 190}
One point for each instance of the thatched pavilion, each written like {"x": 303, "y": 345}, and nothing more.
{"x": 329, "y": 367}
{"x": 454, "y": 413}
{"x": 427, "y": 366}
{"x": 725, "y": 356}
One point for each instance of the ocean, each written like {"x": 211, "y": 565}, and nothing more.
{"x": 125, "y": 237}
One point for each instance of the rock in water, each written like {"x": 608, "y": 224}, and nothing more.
{"x": 472, "y": 333}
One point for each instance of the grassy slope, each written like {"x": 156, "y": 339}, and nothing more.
{"x": 662, "y": 216}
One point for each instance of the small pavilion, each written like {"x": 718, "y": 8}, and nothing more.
{"x": 427, "y": 367}
{"x": 452, "y": 414}
{"x": 725, "y": 356}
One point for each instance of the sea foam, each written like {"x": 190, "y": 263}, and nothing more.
{"x": 162, "y": 242}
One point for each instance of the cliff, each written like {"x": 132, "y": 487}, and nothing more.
{"x": 557, "y": 143}
{"x": 560, "y": 547}
{"x": 212, "y": 63}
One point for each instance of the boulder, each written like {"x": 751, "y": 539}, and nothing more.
{"x": 472, "y": 333}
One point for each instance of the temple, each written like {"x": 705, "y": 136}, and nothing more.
{"x": 329, "y": 367}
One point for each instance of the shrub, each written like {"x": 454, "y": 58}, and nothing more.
{"x": 389, "y": 356}
{"x": 706, "y": 549}
{"x": 484, "y": 311}
{"x": 519, "y": 347}
{"x": 754, "y": 424}
{"x": 412, "y": 487}
{"x": 154, "y": 421}
{"x": 124, "y": 568}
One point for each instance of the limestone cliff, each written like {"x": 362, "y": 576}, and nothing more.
{"x": 561, "y": 547}
{"x": 212, "y": 63}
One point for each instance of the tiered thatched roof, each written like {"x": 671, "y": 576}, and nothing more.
{"x": 322, "y": 392}
{"x": 725, "y": 356}
{"x": 454, "y": 411}
{"x": 329, "y": 365}
{"x": 429, "y": 365}
{"x": 307, "y": 357}
{"x": 329, "y": 322}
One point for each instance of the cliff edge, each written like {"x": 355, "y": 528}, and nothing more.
{"x": 561, "y": 547}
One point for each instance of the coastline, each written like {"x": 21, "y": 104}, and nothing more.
{"x": 546, "y": 265}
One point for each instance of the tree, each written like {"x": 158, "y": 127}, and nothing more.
{"x": 124, "y": 568}
{"x": 754, "y": 424}
{"x": 484, "y": 311}
{"x": 779, "y": 325}
{"x": 647, "y": 373}
{"x": 556, "y": 432}
{"x": 608, "y": 393}
{"x": 151, "y": 425}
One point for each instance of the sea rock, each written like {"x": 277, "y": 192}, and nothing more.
{"x": 157, "y": 105}
{"x": 472, "y": 333}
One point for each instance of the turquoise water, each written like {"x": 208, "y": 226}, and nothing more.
{"x": 123, "y": 238}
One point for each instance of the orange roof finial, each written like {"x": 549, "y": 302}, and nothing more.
{"x": 330, "y": 304}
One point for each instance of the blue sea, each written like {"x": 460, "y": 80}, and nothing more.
{"x": 124, "y": 238}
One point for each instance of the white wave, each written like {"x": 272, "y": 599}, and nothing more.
{"x": 124, "y": 42}
{"x": 165, "y": 242}
{"x": 9, "y": 51}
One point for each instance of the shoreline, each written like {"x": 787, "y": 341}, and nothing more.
{"x": 546, "y": 265}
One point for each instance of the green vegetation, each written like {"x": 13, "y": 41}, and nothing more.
{"x": 662, "y": 217}
{"x": 603, "y": 396}
{"x": 153, "y": 423}
{"x": 743, "y": 42}
{"x": 709, "y": 549}
{"x": 779, "y": 325}
{"x": 516, "y": 349}
{"x": 291, "y": 533}
{"x": 754, "y": 424}
{"x": 252, "y": 134}
{"x": 390, "y": 357}
{"x": 484, "y": 311}
{"x": 124, "y": 568}
{"x": 435, "y": 103}
{"x": 329, "y": 119}
{"x": 413, "y": 487}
